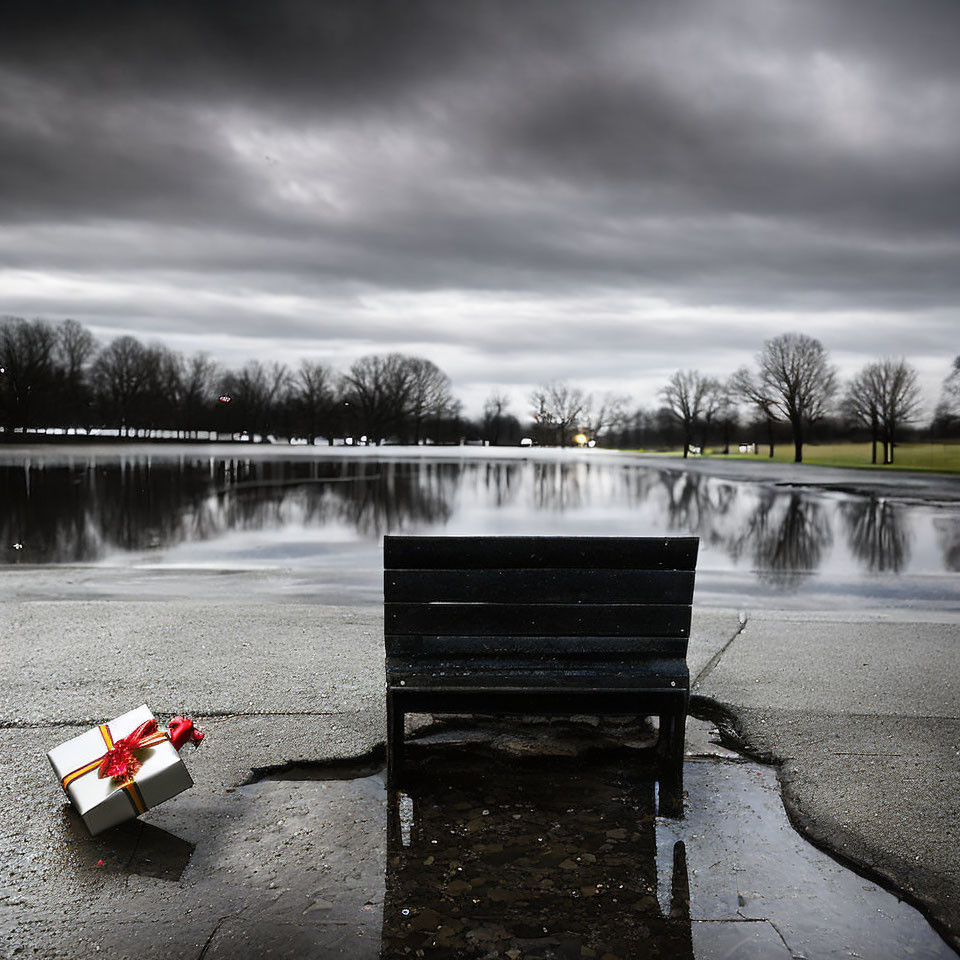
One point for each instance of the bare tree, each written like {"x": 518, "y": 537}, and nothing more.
{"x": 722, "y": 411}
{"x": 742, "y": 384}
{"x": 75, "y": 345}
{"x": 558, "y": 405}
{"x": 948, "y": 409}
{"x": 883, "y": 396}
{"x": 494, "y": 408}
{"x": 313, "y": 395}
{"x": 163, "y": 404}
{"x": 395, "y": 396}
{"x": 121, "y": 377}
{"x": 610, "y": 415}
{"x": 795, "y": 383}
{"x": 378, "y": 389}
{"x": 200, "y": 375}
{"x": 951, "y": 386}
{"x": 257, "y": 395}
{"x": 75, "y": 348}
{"x": 26, "y": 370}
{"x": 717, "y": 408}
{"x": 863, "y": 402}
{"x": 689, "y": 396}
{"x": 430, "y": 394}
{"x": 639, "y": 428}
{"x": 901, "y": 401}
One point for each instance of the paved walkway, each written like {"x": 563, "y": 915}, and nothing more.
{"x": 862, "y": 713}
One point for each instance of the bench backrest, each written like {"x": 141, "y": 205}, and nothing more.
{"x": 535, "y": 596}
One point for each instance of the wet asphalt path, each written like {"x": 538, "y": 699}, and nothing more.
{"x": 862, "y": 713}
{"x": 863, "y": 716}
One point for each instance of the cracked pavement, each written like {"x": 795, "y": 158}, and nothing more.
{"x": 861, "y": 712}
{"x": 862, "y": 716}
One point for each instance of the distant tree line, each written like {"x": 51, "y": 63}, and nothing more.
{"x": 56, "y": 375}
{"x": 791, "y": 390}
{"x": 793, "y": 384}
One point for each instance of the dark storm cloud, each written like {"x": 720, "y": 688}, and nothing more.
{"x": 334, "y": 53}
{"x": 331, "y": 171}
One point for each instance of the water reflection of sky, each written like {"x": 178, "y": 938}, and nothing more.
{"x": 326, "y": 516}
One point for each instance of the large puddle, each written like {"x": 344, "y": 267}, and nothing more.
{"x": 317, "y": 521}
{"x": 518, "y": 842}
{"x": 528, "y": 846}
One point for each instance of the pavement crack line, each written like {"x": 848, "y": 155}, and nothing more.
{"x": 715, "y": 659}
{"x": 213, "y": 933}
{"x": 783, "y": 939}
{"x": 205, "y": 715}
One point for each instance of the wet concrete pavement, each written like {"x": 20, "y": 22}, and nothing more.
{"x": 863, "y": 717}
{"x": 862, "y": 713}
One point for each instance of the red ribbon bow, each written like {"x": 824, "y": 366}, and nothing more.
{"x": 181, "y": 730}
{"x": 119, "y": 762}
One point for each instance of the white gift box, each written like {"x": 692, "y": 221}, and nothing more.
{"x": 104, "y": 802}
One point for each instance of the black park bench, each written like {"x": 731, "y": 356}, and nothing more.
{"x": 539, "y": 626}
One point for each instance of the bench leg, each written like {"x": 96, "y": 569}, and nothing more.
{"x": 395, "y": 723}
{"x": 670, "y": 741}
{"x": 670, "y": 748}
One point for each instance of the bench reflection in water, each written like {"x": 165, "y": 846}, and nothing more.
{"x": 546, "y": 856}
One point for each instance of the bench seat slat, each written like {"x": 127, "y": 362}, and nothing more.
{"x": 536, "y": 674}
{"x": 575, "y": 585}
{"x": 495, "y": 553}
{"x": 537, "y": 619}
{"x": 631, "y": 648}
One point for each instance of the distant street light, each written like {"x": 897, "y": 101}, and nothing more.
{"x": 580, "y": 439}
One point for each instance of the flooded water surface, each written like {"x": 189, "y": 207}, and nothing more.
{"x": 508, "y": 853}
{"x": 321, "y": 518}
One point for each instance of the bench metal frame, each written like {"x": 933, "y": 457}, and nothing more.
{"x": 544, "y": 626}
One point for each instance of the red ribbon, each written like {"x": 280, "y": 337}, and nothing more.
{"x": 119, "y": 761}
{"x": 181, "y": 730}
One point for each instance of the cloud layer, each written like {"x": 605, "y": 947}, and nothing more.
{"x": 603, "y": 191}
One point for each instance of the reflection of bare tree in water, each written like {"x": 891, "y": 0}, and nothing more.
{"x": 501, "y": 479}
{"x": 557, "y": 486}
{"x": 70, "y": 513}
{"x": 785, "y": 534}
{"x": 76, "y": 512}
{"x": 260, "y": 495}
{"x": 696, "y": 504}
{"x": 877, "y": 534}
{"x": 948, "y": 536}
{"x": 406, "y": 495}
{"x": 786, "y": 537}
{"x": 374, "y": 498}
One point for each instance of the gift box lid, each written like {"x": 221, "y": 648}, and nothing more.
{"x": 68, "y": 756}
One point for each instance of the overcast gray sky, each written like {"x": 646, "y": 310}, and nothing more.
{"x": 520, "y": 191}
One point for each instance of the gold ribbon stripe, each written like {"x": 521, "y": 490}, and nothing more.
{"x": 70, "y": 777}
{"x": 135, "y": 797}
